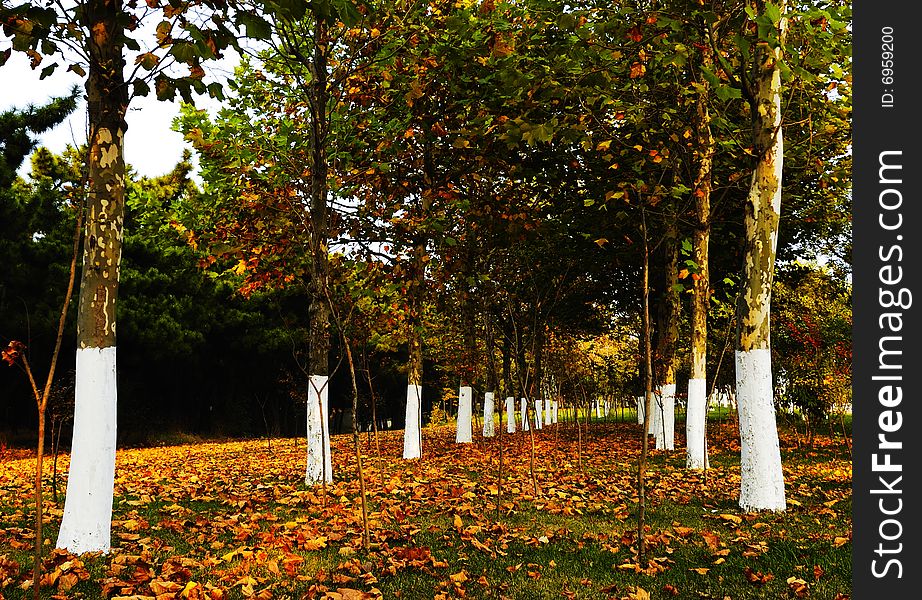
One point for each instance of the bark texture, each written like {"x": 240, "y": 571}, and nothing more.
{"x": 762, "y": 480}
{"x": 86, "y": 523}
{"x": 696, "y": 415}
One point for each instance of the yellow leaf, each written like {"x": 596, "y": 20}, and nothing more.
{"x": 639, "y": 594}
{"x": 733, "y": 518}
{"x": 603, "y": 145}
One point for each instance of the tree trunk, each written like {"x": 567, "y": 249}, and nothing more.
{"x": 696, "y": 414}
{"x": 489, "y": 399}
{"x": 359, "y": 468}
{"x": 319, "y": 463}
{"x": 762, "y": 480}
{"x": 87, "y": 520}
{"x": 648, "y": 405}
{"x": 412, "y": 440}
{"x": 667, "y": 341}
{"x": 463, "y": 427}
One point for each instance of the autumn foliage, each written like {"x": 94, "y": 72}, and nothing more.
{"x": 234, "y": 520}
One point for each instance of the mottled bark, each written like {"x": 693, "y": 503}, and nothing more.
{"x": 762, "y": 479}
{"x": 86, "y": 523}
{"x": 696, "y": 413}
{"x": 701, "y": 237}
{"x": 107, "y": 102}
{"x": 763, "y": 202}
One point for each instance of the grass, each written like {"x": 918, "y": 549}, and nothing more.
{"x": 234, "y": 520}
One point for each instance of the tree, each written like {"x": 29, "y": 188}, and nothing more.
{"x": 762, "y": 480}
{"x": 92, "y": 37}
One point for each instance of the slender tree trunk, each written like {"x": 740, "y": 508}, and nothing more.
{"x": 648, "y": 394}
{"x": 762, "y": 479}
{"x": 374, "y": 417}
{"x": 696, "y": 414}
{"x": 360, "y": 471}
{"x": 87, "y": 520}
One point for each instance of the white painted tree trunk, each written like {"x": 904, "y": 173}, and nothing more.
{"x": 598, "y": 409}
{"x": 319, "y": 461}
{"x": 640, "y": 408}
{"x": 412, "y": 441}
{"x": 539, "y": 413}
{"x": 656, "y": 418}
{"x": 695, "y": 419}
{"x": 510, "y": 415}
{"x": 525, "y": 425}
{"x": 554, "y": 408}
{"x": 488, "y": 425}
{"x": 762, "y": 479}
{"x": 665, "y": 427}
{"x": 463, "y": 427}
{"x": 87, "y": 517}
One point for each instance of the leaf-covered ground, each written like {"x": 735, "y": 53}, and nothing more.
{"x": 235, "y": 520}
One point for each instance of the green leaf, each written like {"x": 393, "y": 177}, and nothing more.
{"x": 48, "y": 70}
{"x": 347, "y": 11}
{"x": 216, "y": 91}
{"x": 140, "y": 87}
{"x": 773, "y": 12}
{"x": 184, "y": 52}
{"x": 165, "y": 87}
{"x": 257, "y": 28}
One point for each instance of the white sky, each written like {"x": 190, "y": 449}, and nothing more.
{"x": 151, "y": 147}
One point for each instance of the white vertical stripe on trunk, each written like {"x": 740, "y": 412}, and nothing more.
{"x": 695, "y": 418}
{"x": 761, "y": 477}
{"x": 539, "y": 413}
{"x": 87, "y": 519}
{"x": 319, "y": 461}
{"x": 463, "y": 428}
{"x": 656, "y": 418}
{"x": 412, "y": 443}
{"x": 510, "y": 415}
{"x": 525, "y": 425}
{"x": 665, "y": 426}
{"x": 641, "y": 406}
{"x": 488, "y": 426}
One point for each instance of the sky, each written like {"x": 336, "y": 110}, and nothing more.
{"x": 151, "y": 147}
